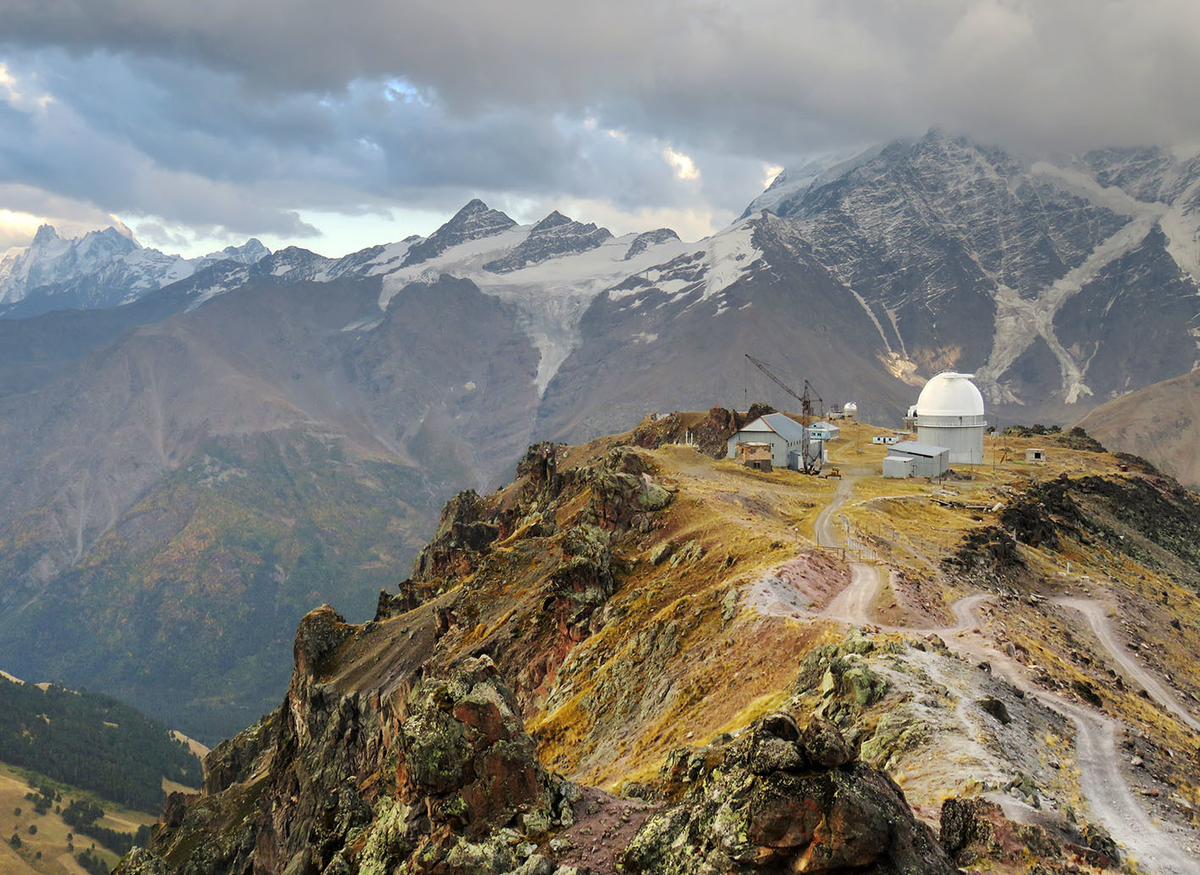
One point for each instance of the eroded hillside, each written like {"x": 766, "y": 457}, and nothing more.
{"x": 636, "y": 654}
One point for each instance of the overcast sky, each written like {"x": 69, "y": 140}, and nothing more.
{"x": 337, "y": 125}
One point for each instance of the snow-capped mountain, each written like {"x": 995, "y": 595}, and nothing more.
{"x": 1061, "y": 282}
{"x": 100, "y": 269}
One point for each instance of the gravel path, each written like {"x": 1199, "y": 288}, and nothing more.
{"x": 1111, "y": 802}
{"x": 1097, "y": 616}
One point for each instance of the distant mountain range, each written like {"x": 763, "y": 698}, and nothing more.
{"x": 100, "y": 269}
{"x": 260, "y": 431}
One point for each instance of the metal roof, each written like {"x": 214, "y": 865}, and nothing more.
{"x": 913, "y": 448}
{"x": 782, "y": 425}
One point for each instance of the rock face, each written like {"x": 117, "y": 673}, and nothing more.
{"x": 433, "y": 775}
{"x": 784, "y": 800}
{"x": 553, "y": 236}
{"x": 473, "y": 222}
{"x": 646, "y": 239}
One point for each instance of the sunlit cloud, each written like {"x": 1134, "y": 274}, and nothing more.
{"x": 684, "y": 167}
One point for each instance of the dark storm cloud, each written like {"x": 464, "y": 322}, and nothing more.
{"x": 751, "y": 76}
{"x": 148, "y": 136}
{"x": 234, "y": 115}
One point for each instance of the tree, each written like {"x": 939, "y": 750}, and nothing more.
{"x": 33, "y": 829}
{"x": 15, "y": 841}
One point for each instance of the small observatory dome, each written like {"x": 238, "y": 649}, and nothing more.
{"x": 949, "y": 413}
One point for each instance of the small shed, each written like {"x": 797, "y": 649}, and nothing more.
{"x": 781, "y": 432}
{"x": 824, "y": 431}
{"x": 927, "y": 460}
{"x": 755, "y": 455}
{"x": 898, "y": 467}
{"x": 1036, "y": 455}
{"x": 885, "y": 439}
{"x": 816, "y": 456}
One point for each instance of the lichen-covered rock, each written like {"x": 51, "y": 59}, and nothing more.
{"x": 975, "y": 830}
{"x": 432, "y": 779}
{"x": 763, "y": 806}
{"x": 321, "y": 632}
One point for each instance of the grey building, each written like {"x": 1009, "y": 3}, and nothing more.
{"x": 913, "y": 459}
{"x": 782, "y": 432}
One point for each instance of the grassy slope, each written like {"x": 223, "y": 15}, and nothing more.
{"x": 51, "y": 837}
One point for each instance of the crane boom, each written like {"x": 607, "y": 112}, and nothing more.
{"x": 806, "y": 410}
{"x": 778, "y": 382}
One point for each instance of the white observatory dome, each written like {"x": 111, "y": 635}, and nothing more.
{"x": 950, "y": 394}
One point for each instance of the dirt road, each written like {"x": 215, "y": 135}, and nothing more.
{"x": 1097, "y": 616}
{"x": 1110, "y": 800}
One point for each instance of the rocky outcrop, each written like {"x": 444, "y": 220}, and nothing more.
{"x": 646, "y": 239}
{"x": 781, "y": 799}
{"x": 975, "y": 831}
{"x": 441, "y": 779}
{"x": 462, "y": 534}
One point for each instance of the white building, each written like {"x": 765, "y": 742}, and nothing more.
{"x": 913, "y": 459}
{"x": 949, "y": 413}
{"x": 824, "y": 431}
{"x": 781, "y": 432}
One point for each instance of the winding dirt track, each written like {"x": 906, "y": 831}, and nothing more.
{"x": 1097, "y": 616}
{"x": 1110, "y": 799}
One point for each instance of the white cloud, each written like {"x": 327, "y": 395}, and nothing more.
{"x": 684, "y": 167}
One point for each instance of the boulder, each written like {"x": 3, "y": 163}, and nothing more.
{"x": 759, "y": 804}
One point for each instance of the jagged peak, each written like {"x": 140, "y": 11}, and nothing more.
{"x": 124, "y": 230}
{"x": 476, "y": 208}
{"x": 554, "y": 220}
{"x": 474, "y": 221}
{"x": 45, "y": 234}
{"x": 646, "y": 239}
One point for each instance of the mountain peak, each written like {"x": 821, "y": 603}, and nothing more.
{"x": 553, "y": 236}
{"x": 551, "y": 221}
{"x": 44, "y": 235}
{"x": 473, "y": 222}
{"x": 124, "y": 230}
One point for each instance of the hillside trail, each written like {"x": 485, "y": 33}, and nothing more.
{"x": 1096, "y": 614}
{"x": 1110, "y": 800}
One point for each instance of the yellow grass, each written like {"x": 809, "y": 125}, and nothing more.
{"x": 51, "y": 837}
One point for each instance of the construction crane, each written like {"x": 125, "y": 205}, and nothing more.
{"x": 811, "y": 466}
{"x": 806, "y": 400}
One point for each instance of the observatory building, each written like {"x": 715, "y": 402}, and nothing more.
{"x": 949, "y": 413}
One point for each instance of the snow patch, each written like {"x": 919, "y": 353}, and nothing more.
{"x": 367, "y": 323}
{"x": 730, "y": 255}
